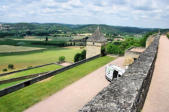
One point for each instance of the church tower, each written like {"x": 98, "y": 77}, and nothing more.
{"x": 94, "y": 43}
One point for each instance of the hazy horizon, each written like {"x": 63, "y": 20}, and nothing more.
{"x": 138, "y": 13}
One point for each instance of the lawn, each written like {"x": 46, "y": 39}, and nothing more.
{"x": 24, "y": 98}
{"x": 24, "y": 60}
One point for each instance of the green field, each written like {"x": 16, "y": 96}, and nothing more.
{"x": 10, "y": 48}
{"x": 24, "y": 98}
{"x": 24, "y": 60}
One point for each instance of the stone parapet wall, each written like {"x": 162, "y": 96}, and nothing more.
{"x": 128, "y": 93}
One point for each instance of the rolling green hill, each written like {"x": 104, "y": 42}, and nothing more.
{"x": 45, "y": 29}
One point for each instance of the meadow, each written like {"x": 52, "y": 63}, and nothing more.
{"x": 20, "y": 100}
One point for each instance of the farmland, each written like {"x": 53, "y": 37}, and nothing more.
{"x": 38, "y": 91}
{"x": 24, "y": 60}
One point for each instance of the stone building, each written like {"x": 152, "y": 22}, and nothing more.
{"x": 94, "y": 44}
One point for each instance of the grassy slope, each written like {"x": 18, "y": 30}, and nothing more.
{"x": 2, "y": 86}
{"x": 37, "y": 58}
{"x": 24, "y": 98}
{"x": 31, "y": 71}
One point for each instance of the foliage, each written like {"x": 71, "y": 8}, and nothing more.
{"x": 11, "y": 66}
{"x": 83, "y": 54}
{"x": 20, "y": 30}
{"x": 46, "y": 39}
{"x": 77, "y": 57}
{"x": 168, "y": 35}
{"x": 80, "y": 56}
{"x": 5, "y": 69}
{"x": 120, "y": 46}
{"x": 38, "y": 91}
{"x": 61, "y": 59}
{"x": 103, "y": 51}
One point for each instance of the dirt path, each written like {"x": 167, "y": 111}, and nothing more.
{"x": 76, "y": 95}
{"x": 158, "y": 96}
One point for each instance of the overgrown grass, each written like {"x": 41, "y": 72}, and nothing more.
{"x": 23, "y": 60}
{"x": 24, "y": 98}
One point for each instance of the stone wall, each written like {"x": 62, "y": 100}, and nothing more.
{"x": 93, "y": 49}
{"x": 128, "y": 93}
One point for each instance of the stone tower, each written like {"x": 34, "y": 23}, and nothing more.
{"x": 94, "y": 43}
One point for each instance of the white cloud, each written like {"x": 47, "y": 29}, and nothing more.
{"x": 141, "y": 13}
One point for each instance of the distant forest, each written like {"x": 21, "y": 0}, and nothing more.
{"x": 45, "y": 29}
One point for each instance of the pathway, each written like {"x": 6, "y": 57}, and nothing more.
{"x": 158, "y": 96}
{"x": 76, "y": 95}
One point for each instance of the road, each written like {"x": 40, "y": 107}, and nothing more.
{"x": 76, "y": 95}
{"x": 158, "y": 95}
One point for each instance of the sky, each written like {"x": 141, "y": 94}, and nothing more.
{"x": 137, "y": 13}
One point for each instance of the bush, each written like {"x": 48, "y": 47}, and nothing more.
{"x": 11, "y": 66}
{"x": 61, "y": 59}
{"x": 168, "y": 36}
{"x": 83, "y": 54}
{"x": 80, "y": 56}
{"x": 77, "y": 57}
{"x": 4, "y": 70}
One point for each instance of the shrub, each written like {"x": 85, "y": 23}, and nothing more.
{"x": 168, "y": 35}
{"x": 83, "y": 54}
{"x": 11, "y": 66}
{"x": 61, "y": 59}
{"x": 77, "y": 57}
{"x": 80, "y": 56}
{"x": 5, "y": 69}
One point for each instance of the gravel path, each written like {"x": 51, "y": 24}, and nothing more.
{"x": 76, "y": 95}
{"x": 158, "y": 96}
